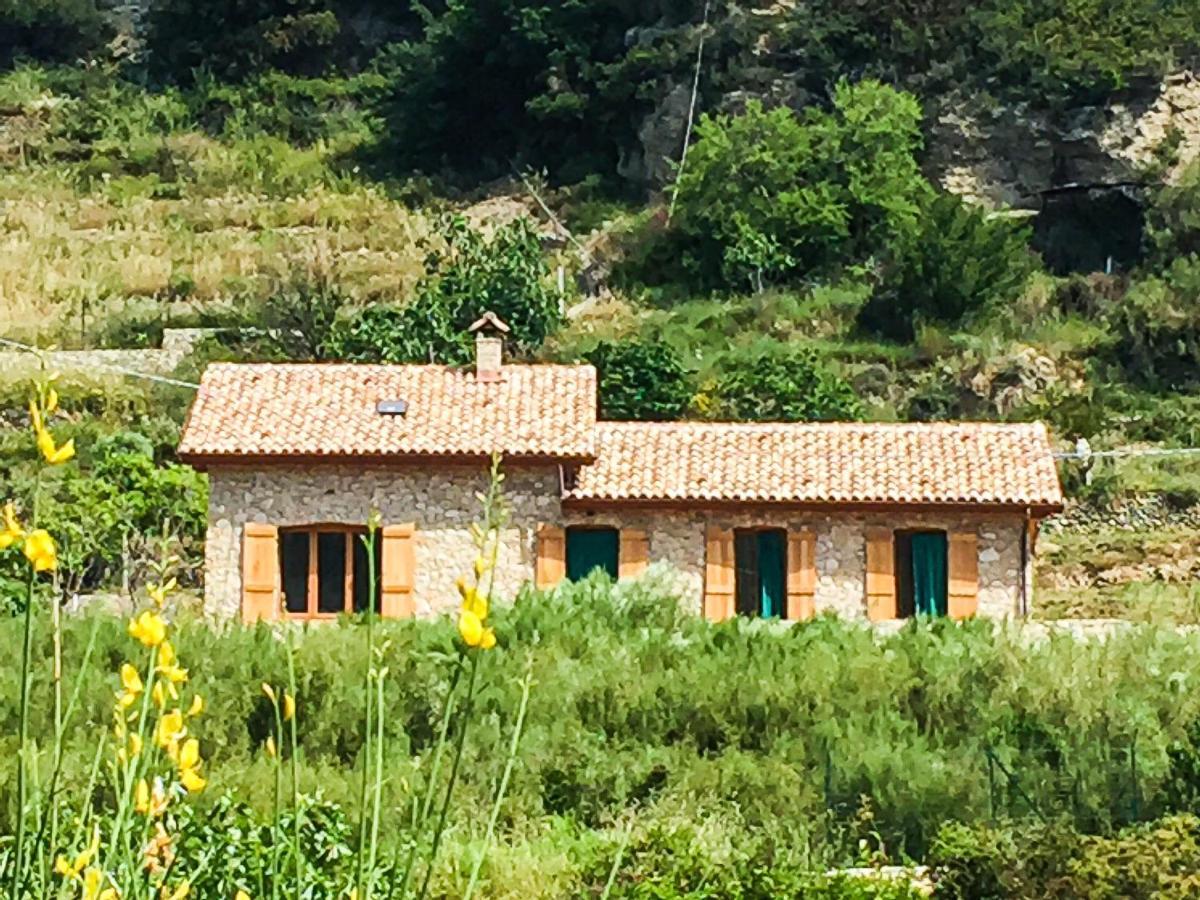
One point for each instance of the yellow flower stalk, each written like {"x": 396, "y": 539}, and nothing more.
{"x": 148, "y": 628}
{"x": 41, "y": 550}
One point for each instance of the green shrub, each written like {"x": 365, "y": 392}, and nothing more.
{"x": 959, "y": 261}
{"x": 781, "y": 384}
{"x": 769, "y": 195}
{"x": 1157, "y": 328}
{"x": 640, "y": 379}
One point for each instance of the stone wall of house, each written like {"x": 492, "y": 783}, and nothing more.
{"x": 678, "y": 539}
{"x": 441, "y": 500}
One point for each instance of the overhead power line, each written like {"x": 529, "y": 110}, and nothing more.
{"x": 109, "y": 367}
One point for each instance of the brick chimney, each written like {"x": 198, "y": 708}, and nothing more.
{"x": 489, "y": 331}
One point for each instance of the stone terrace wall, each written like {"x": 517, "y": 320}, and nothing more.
{"x": 177, "y": 344}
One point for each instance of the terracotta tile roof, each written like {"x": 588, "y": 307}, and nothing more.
{"x": 258, "y": 410}
{"x": 820, "y": 463}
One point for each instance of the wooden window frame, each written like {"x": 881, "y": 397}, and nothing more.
{"x": 312, "y": 611}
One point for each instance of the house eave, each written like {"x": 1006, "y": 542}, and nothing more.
{"x": 1038, "y": 510}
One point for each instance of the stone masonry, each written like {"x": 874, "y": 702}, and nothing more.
{"x": 441, "y": 499}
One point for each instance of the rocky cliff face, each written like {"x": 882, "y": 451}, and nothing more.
{"x": 1011, "y": 156}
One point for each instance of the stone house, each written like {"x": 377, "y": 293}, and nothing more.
{"x": 880, "y": 521}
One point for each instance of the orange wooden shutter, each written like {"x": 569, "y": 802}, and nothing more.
{"x": 260, "y": 572}
{"x": 398, "y": 570}
{"x": 718, "y": 573}
{"x": 881, "y": 576}
{"x": 550, "y": 566}
{"x": 634, "y": 553}
{"x": 801, "y": 574}
{"x": 963, "y": 565}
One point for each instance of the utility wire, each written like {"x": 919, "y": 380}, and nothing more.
{"x": 687, "y": 132}
{"x": 132, "y": 373}
{"x": 1149, "y": 451}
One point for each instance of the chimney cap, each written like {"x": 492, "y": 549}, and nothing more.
{"x": 489, "y": 321}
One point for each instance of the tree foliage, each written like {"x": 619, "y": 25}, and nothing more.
{"x": 769, "y": 196}
{"x": 53, "y": 30}
{"x": 466, "y": 275}
{"x": 640, "y": 379}
{"x": 783, "y": 384}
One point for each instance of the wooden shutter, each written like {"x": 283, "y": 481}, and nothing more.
{"x": 801, "y": 574}
{"x": 719, "y": 573}
{"x": 963, "y": 565}
{"x": 881, "y": 575}
{"x": 398, "y": 570}
{"x": 550, "y": 566}
{"x": 260, "y": 572}
{"x": 634, "y": 554}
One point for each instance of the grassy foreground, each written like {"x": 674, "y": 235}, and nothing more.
{"x": 684, "y": 753}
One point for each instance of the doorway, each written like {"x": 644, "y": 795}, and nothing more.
{"x": 922, "y": 579}
{"x": 760, "y": 561}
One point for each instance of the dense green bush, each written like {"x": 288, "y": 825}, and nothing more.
{"x": 466, "y": 275}
{"x": 1026, "y": 861}
{"x": 52, "y": 30}
{"x": 958, "y": 261}
{"x": 640, "y": 379}
{"x": 773, "y": 736}
{"x": 1157, "y": 328}
{"x": 780, "y": 384}
{"x": 768, "y": 196}
{"x": 185, "y": 38}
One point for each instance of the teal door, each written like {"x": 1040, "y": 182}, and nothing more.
{"x": 592, "y": 548}
{"x": 760, "y": 560}
{"x": 929, "y": 573}
{"x": 771, "y": 574}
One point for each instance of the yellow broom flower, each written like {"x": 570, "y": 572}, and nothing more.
{"x": 180, "y": 893}
{"x": 191, "y": 781}
{"x": 197, "y": 706}
{"x": 241, "y": 895}
{"x": 476, "y": 603}
{"x": 93, "y": 886}
{"x": 72, "y": 869}
{"x": 488, "y": 641}
{"x": 41, "y": 550}
{"x": 148, "y": 628}
{"x": 289, "y": 707}
{"x": 130, "y": 679}
{"x": 158, "y": 695}
{"x": 51, "y": 453}
{"x": 170, "y": 729}
{"x": 470, "y": 627}
{"x": 270, "y": 746}
{"x": 141, "y": 797}
{"x": 12, "y": 531}
{"x": 189, "y": 754}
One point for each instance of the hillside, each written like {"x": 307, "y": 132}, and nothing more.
{"x": 984, "y": 210}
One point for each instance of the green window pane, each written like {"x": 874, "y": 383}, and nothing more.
{"x": 589, "y": 549}
{"x": 771, "y": 573}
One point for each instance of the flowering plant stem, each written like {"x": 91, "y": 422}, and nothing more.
{"x": 368, "y": 716}
{"x": 502, "y": 789}
{"x": 26, "y": 676}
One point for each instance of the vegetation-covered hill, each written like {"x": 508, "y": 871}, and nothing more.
{"x": 350, "y": 179}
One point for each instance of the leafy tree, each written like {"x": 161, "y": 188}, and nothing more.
{"x": 959, "y": 260}
{"x": 52, "y": 30}
{"x": 783, "y": 384}
{"x": 769, "y": 195}
{"x": 1173, "y": 218}
{"x": 640, "y": 379}
{"x": 467, "y": 275}
{"x": 302, "y": 314}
